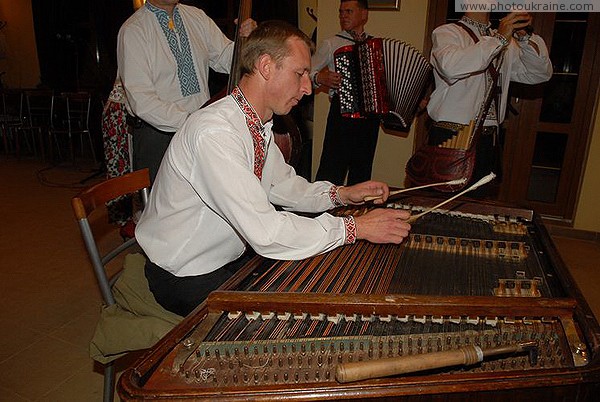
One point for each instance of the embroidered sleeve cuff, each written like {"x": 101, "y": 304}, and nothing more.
{"x": 350, "y": 226}
{"x": 334, "y": 195}
{"x": 501, "y": 38}
{"x": 523, "y": 38}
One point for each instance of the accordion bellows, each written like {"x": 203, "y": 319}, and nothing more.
{"x": 382, "y": 77}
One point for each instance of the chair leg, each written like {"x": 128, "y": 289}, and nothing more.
{"x": 109, "y": 382}
{"x": 5, "y": 139}
{"x": 71, "y": 148}
{"x": 25, "y": 140}
{"x": 91, "y": 146}
{"x": 33, "y": 145}
{"x": 81, "y": 145}
{"x": 18, "y": 144}
{"x": 48, "y": 143}
{"x": 54, "y": 136}
{"x": 42, "y": 146}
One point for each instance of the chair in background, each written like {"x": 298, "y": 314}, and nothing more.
{"x": 84, "y": 204}
{"x": 39, "y": 106}
{"x": 71, "y": 117}
{"x": 12, "y": 120}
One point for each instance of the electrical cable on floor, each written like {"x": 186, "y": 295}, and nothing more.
{"x": 77, "y": 184}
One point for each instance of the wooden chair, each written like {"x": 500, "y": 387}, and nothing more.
{"x": 84, "y": 204}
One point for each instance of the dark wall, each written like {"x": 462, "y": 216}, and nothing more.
{"x": 76, "y": 40}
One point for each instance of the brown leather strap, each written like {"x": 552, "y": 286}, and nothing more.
{"x": 494, "y": 74}
{"x": 469, "y": 31}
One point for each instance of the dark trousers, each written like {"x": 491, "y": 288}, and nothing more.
{"x": 149, "y": 147}
{"x": 348, "y": 147}
{"x": 488, "y": 159}
{"x": 183, "y": 294}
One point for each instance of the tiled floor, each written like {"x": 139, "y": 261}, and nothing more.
{"x": 49, "y": 302}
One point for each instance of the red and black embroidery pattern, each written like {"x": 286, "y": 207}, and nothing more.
{"x": 256, "y": 129}
{"x": 350, "y": 225}
{"x": 334, "y": 196}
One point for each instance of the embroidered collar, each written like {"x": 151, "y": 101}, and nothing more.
{"x": 168, "y": 23}
{"x": 157, "y": 10}
{"x": 481, "y": 27}
{"x": 358, "y": 37}
{"x": 348, "y": 35}
{"x": 256, "y": 128}
{"x": 176, "y": 36}
{"x": 247, "y": 108}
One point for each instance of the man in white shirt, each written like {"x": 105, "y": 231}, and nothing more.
{"x": 462, "y": 80}
{"x": 349, "y": 144}
{"x": 222, "y": 176}
{"x": 164, "y": 52}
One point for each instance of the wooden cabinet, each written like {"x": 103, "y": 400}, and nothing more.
{"x": 547, "y": 141}
{"x": 548, "y": 126}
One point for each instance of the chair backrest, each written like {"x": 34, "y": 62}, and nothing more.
{"x": 12, "y": 107}
{"x": 78, "y": 106}
{"x": 94, "y": 197}
{"x": 40, "y": 104}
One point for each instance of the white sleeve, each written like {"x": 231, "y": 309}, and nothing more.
{"x": 322, "y": 57}
{"x": 135, "y": 71}
{"x": 455, "y": 56}
{"x": 529, "y": 67}
{"x": 231, "y": 189}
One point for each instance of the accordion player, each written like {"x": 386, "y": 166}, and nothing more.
{"x": 383, "y": 77}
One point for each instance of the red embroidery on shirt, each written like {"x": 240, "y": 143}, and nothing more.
{"x": 350, "y": 229}
{"x": 334, "y": 196}
{"x": 256, "y": 129}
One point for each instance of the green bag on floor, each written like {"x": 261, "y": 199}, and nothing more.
{"x": 136, "y": 321}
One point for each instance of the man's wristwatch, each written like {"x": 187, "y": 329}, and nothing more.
{"x": 315, "y": 81}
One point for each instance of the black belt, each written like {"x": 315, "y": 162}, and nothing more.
{"x": 135, "y": 121}
{"x": 489, "y": 130}
{"x": 138, "y": 123}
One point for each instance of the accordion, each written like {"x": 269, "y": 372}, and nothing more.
{"x": 382, "y": 77}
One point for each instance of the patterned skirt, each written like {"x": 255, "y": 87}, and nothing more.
{"x": 116, "y": 134}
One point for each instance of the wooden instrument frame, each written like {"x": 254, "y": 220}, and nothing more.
{"x": 548, "y": 384}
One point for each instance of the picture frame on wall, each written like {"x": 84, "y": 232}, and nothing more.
{"x": 384, "y": 4}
